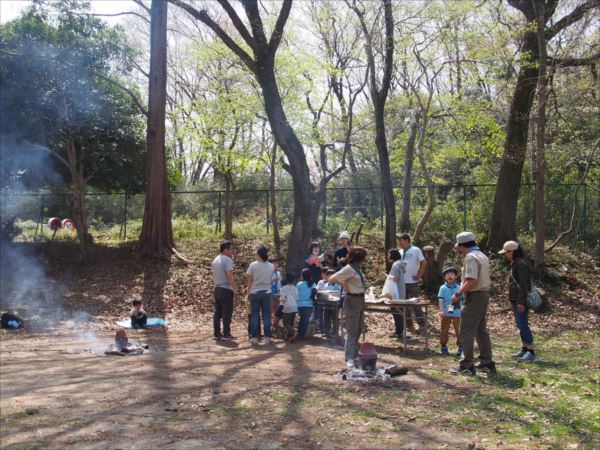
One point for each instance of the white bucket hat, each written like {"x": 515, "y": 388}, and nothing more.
{"x": 344, "y": 235}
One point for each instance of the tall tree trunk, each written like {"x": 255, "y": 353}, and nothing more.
{"x": 302, "y": 226}
{"x": 540, "y": 206}
{"x": 273, "y": 200}
{"x": 156, "y": 237}
{"x": 78, "y": 184}
{"x": 431, "y": 197}
{"x": 503, "y": 225}
{"x": 229, "y": 204}
{"x": 407, "y": 179}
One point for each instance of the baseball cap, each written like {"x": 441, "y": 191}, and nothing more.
{"x": 508, "y": 245}
{"x": 344, "y": 235}
{"x": 450, "y": 269}
{"x": 464, "y": 237}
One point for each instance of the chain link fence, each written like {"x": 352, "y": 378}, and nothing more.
{"x": 458, "y": 207}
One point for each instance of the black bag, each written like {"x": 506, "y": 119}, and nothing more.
{"x": 5, "y": 318}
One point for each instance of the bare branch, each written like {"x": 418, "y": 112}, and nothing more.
{"x": 141, "y": 4}
{"x": 571, "y": 18}
{"x": 277, "y": 34}
{"x": 237, "y": 23}
{"x": 131, "y": 13}
{"x": 227, "y": 40}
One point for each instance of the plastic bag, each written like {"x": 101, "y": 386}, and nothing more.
{"x": 390, "y": 289}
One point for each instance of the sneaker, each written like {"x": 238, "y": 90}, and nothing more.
{"x": 254, "y": 341}
{"x": 395, "y": 336}
{"x": 217, "y": 337}
{"x": 269, "y": 340}
{"x": 487, "y": 368}
{"x": 227, "y": 337}
{"x": 460, "y": 370}
{"x": 459, "y": 352}
{"x": 529, "y": 357}
{"x": 445, "y": 351}
{"x": 350, "y": 364}
{"x": 519, "y": 354}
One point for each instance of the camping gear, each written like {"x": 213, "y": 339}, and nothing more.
{"x": 10, "y": 321}
{"x": 368, "y": 356}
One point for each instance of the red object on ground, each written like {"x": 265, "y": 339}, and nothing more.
{"x": 54, "y": 223}
{"x": 368, "y": 356}
{"x": 67, "y": 224}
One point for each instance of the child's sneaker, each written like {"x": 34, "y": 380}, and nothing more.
{"x": 269, "y": 340}
{"x": 445, "y": 351}
{"x": 459, "y": 352}
{"x": 519, "y": 354}
{"x": 528, "y": 357}
{"x": 254, "y": 341}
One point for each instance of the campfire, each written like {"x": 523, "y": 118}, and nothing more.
{"x": 373, "y": 373}
{"x": 123, "y": 347}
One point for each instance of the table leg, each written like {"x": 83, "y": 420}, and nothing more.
{"x": 426, "y": 327}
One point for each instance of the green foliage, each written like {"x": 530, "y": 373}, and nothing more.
{"x": 55, "y": 77}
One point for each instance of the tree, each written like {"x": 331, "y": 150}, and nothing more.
{"x": 156, "y": 237}
{"x": 61, "y": 93}
{"x": 503, "y": 220}
{"x": 262, "y": 65}
{"x": 378, "y": 91}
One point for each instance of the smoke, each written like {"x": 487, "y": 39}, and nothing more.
{"x": 27, "y": 292}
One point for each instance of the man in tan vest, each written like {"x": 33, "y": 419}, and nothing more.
{"x": 475, "y": 285}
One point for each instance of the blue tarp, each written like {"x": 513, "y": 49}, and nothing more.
{"x": 152, "y": 322}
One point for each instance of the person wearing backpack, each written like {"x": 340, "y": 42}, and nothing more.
{"x": 519, "y": 285}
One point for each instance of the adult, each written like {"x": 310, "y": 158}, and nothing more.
{"x": 475, "y": 286}
{"x": 415, "y": 268}
{"x": 340, "y": 256}
{"x": 259, "y": 276}
{"x": 397, "y": 273}
{"x": 351, "y": 278}
{"x": 519, "y": 285}
{"x": 225, "y": 290}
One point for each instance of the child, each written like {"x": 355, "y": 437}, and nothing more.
{"x": 307, "y": 290}
{"x": 289, "y": 306}
{"x": 275, "y": 288}
{"x": 449, "y": 314}
{"x": 138, "y": 315}
{"x": 330, "y": 314}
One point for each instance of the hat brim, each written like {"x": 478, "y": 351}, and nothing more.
{"x": 502, "y": 252}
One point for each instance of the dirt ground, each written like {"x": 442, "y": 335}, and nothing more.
{"x": 193, "y": 392}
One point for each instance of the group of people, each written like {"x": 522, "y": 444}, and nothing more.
{"x": 463, "y": 306}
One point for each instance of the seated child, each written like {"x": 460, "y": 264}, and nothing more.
{"x": 275, "y": 288}
{"x": 330, "y": 314}
{"x": 289, "y": 306}
{"x": 449, "y": 313}
{"x": 138, "y": 315}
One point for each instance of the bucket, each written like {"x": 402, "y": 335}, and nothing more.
{"x": 368, "y": 356}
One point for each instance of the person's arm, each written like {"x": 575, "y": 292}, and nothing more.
{"x": 466, "y": 286}
{"x": 422, "y": 267}
{"x": 231, "y": 280}
{"x": 523, "y": 279}
{"x": 441, "y": 306}
{"x": 249, "y": 280}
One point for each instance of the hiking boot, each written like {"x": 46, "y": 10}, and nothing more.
{"x": 529, "y": 357}
{"x": 519, "y": 354}
{"x": 467, "y": 371}
{"x": 445, "y": 351}
{"x": 487, "y": 368}
{"x": 459, "y": 352}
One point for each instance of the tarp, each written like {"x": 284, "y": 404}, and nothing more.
{"x": 152, "y": 322}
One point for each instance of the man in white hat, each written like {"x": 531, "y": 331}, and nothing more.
{"x": 475, "y": 286}
{"x": 340, "y": 257}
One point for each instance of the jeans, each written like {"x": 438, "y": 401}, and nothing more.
{"x": 354, "y": 316}
{"x": 223, "y": 310}
{"x": 473, "y": 325}
{"x": 319, "y": 317}
{"x": 522, "y": 321}
{"x": 260, "y": 303}
{"x": 304, "y": 312}
{"x": 139, "y": 322}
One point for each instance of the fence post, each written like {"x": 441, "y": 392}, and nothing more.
{"x": 218, "y": 228}
{"x": 40, "y": 224}
{"x": 125, "y": 218}
{"x": 324, "y": 211}
{"x": 267, "y": 211}
{"x": 464, "y": 208}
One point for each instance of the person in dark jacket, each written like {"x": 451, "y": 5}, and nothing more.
{"x": 519, "y": 285}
